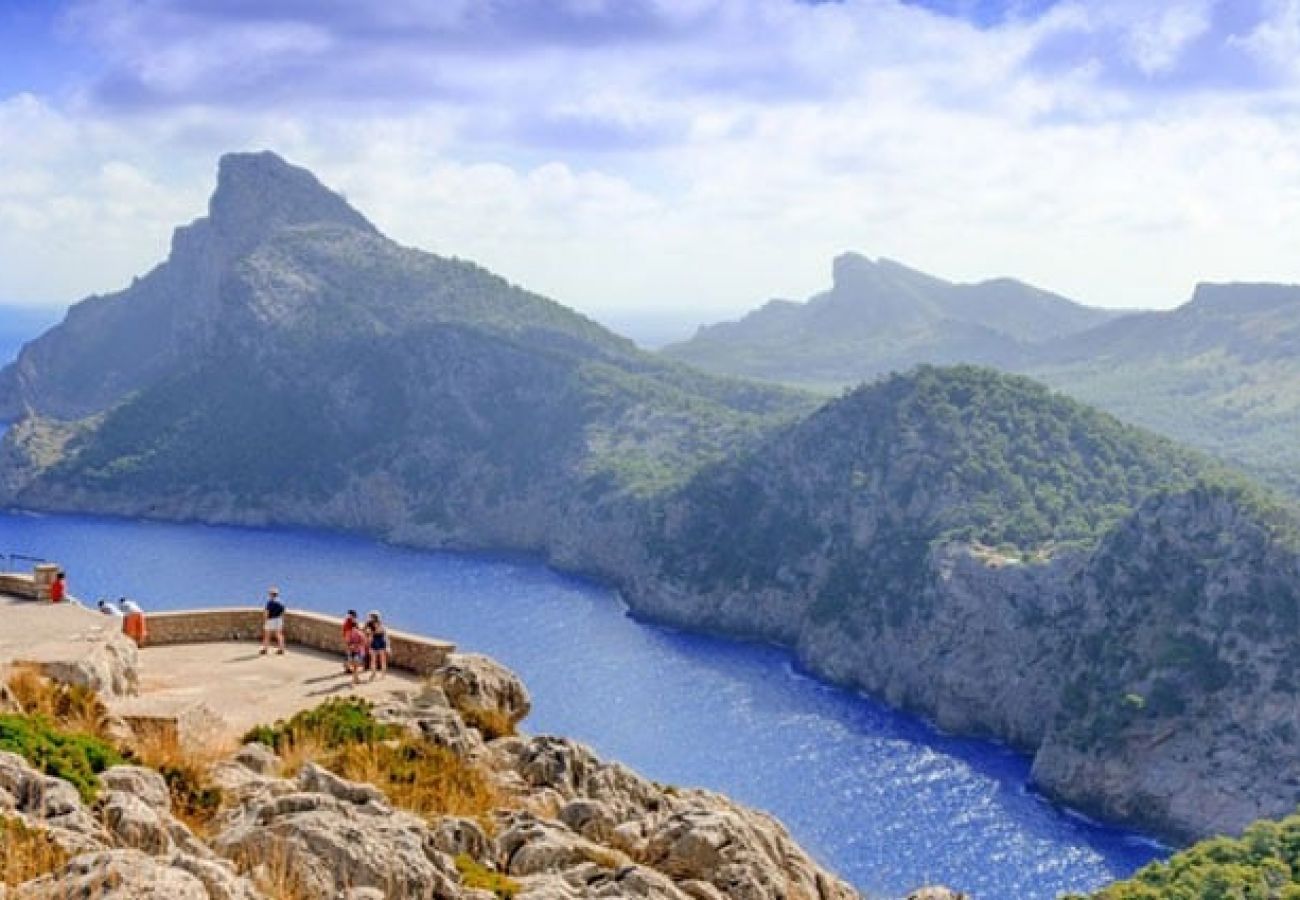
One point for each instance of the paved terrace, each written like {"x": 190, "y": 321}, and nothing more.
{"x": 200, "y": 664}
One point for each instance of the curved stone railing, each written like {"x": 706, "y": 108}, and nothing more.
{"x": 411, "y": 652}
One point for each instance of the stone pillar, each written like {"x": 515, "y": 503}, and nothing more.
{"x": 42, "y": 577}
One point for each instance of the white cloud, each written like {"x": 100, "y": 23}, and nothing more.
{"x": 719, "y": 156}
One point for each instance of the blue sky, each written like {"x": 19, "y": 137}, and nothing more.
{"x": 701, "y": 155}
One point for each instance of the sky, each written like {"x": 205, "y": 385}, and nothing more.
{"x": 674, "y": 156}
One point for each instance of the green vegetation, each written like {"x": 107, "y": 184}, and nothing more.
{"x": 859, "y": 494}
{"x": 475, "y": 875}
{"x": 336, "y": 723}
{"x": 1263, "y": 864}
{"x": 344, "y": 736}
{"x": 76, "y": 758}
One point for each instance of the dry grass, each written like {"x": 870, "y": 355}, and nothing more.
{"x": 491, "y": 723}
{"x": 275, "y": 875}
{"x": 26, "y": 853}
{"x": 71, "y": 706}
{"x": 304, "y": 749}
{"x": 186, "y": 768}
{"x": 421, "y": 777}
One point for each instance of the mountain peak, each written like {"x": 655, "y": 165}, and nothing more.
{"x": 259, "y": 192}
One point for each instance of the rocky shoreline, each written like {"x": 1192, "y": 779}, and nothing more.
{"x": 567, "y": 824}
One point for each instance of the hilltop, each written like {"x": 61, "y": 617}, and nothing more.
{"x": 1220, "y": 373}
{"x": 881, "y": 316}
{"x": 1009, "y": 562}
{"x": 289, "y": 363}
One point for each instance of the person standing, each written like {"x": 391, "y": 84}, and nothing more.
{"x": 273, "y": 622}
{"x": 356, "y": 650}
{"x": 350, "y": 624}
{"x": 378, "y": 646}
{"x": 59, "y": 588}
{"x": 134, "y": 625}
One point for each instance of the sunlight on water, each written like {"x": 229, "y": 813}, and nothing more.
{"x": 882, "y": 798}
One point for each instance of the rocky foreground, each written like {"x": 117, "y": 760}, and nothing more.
{"x": 565, "y": 823}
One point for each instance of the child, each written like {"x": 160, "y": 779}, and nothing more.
{"x": 356, "y": 649}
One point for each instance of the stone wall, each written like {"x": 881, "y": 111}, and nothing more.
{"x": 35, "y": 586}
{"x": 15, "y": 584}
{"x": 412, "y": 652}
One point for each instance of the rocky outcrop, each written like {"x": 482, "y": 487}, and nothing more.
{"x": 477, "y": 685}
{"x": 126, "y": 845}
{"x": 569, "y": 825}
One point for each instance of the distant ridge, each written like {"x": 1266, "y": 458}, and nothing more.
{"x": 881, "y": 316}
{"x": 1221, "y": 372}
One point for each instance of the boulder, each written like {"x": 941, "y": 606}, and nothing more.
{"x": 117, "y": 875}
{"x": 742, "y": 853}
{"x": 319, "y": 780}
{"x": 476, "y": 684}
{"x": 453, "y": 836}
{"x": 109, "y": 666}
{"x": 328, "y": 844}
{"x": 591, "y": 882}
{"x": 51, "y": 803}
{"x": 218, "y": 876}
{"x": 258, "y": 758}
{"x": 134, "y": 823}
{"x": 529, "y": 845}
{"x": 144, "y": 784}
{"x": 590, "y": 818}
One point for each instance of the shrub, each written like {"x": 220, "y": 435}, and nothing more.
{"x": 76, "y": 758}
{"x": 195, "y": 799}
{"x": 335, "y": 723}
{"x": 72, "y": 706}
{"x": 1263, "y": 863}
{"x": 475, "y": 875}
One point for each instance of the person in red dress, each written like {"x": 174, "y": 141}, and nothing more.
{"x": 59, "y": 588}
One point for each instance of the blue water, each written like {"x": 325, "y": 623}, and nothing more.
{"x": 880, "y": 797}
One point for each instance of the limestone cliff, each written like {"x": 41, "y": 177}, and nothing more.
{"x": 549, "y": 819}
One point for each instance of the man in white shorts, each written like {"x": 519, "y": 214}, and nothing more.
{"x": 273, "y": 621}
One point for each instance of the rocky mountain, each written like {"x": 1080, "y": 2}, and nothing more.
{"x": 962, "y": 543}
{"x": 1009, "y": 562}
{"x": 1221, "y": 373}
{"x": 881, "y": 316}
{"x": 289, "y": 363}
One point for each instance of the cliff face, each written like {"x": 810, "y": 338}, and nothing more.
{"x": 1150, "y": 676}
{"x": 1179, "y": 708}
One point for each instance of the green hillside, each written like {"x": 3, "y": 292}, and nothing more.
{"x": 287, "y": 361}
